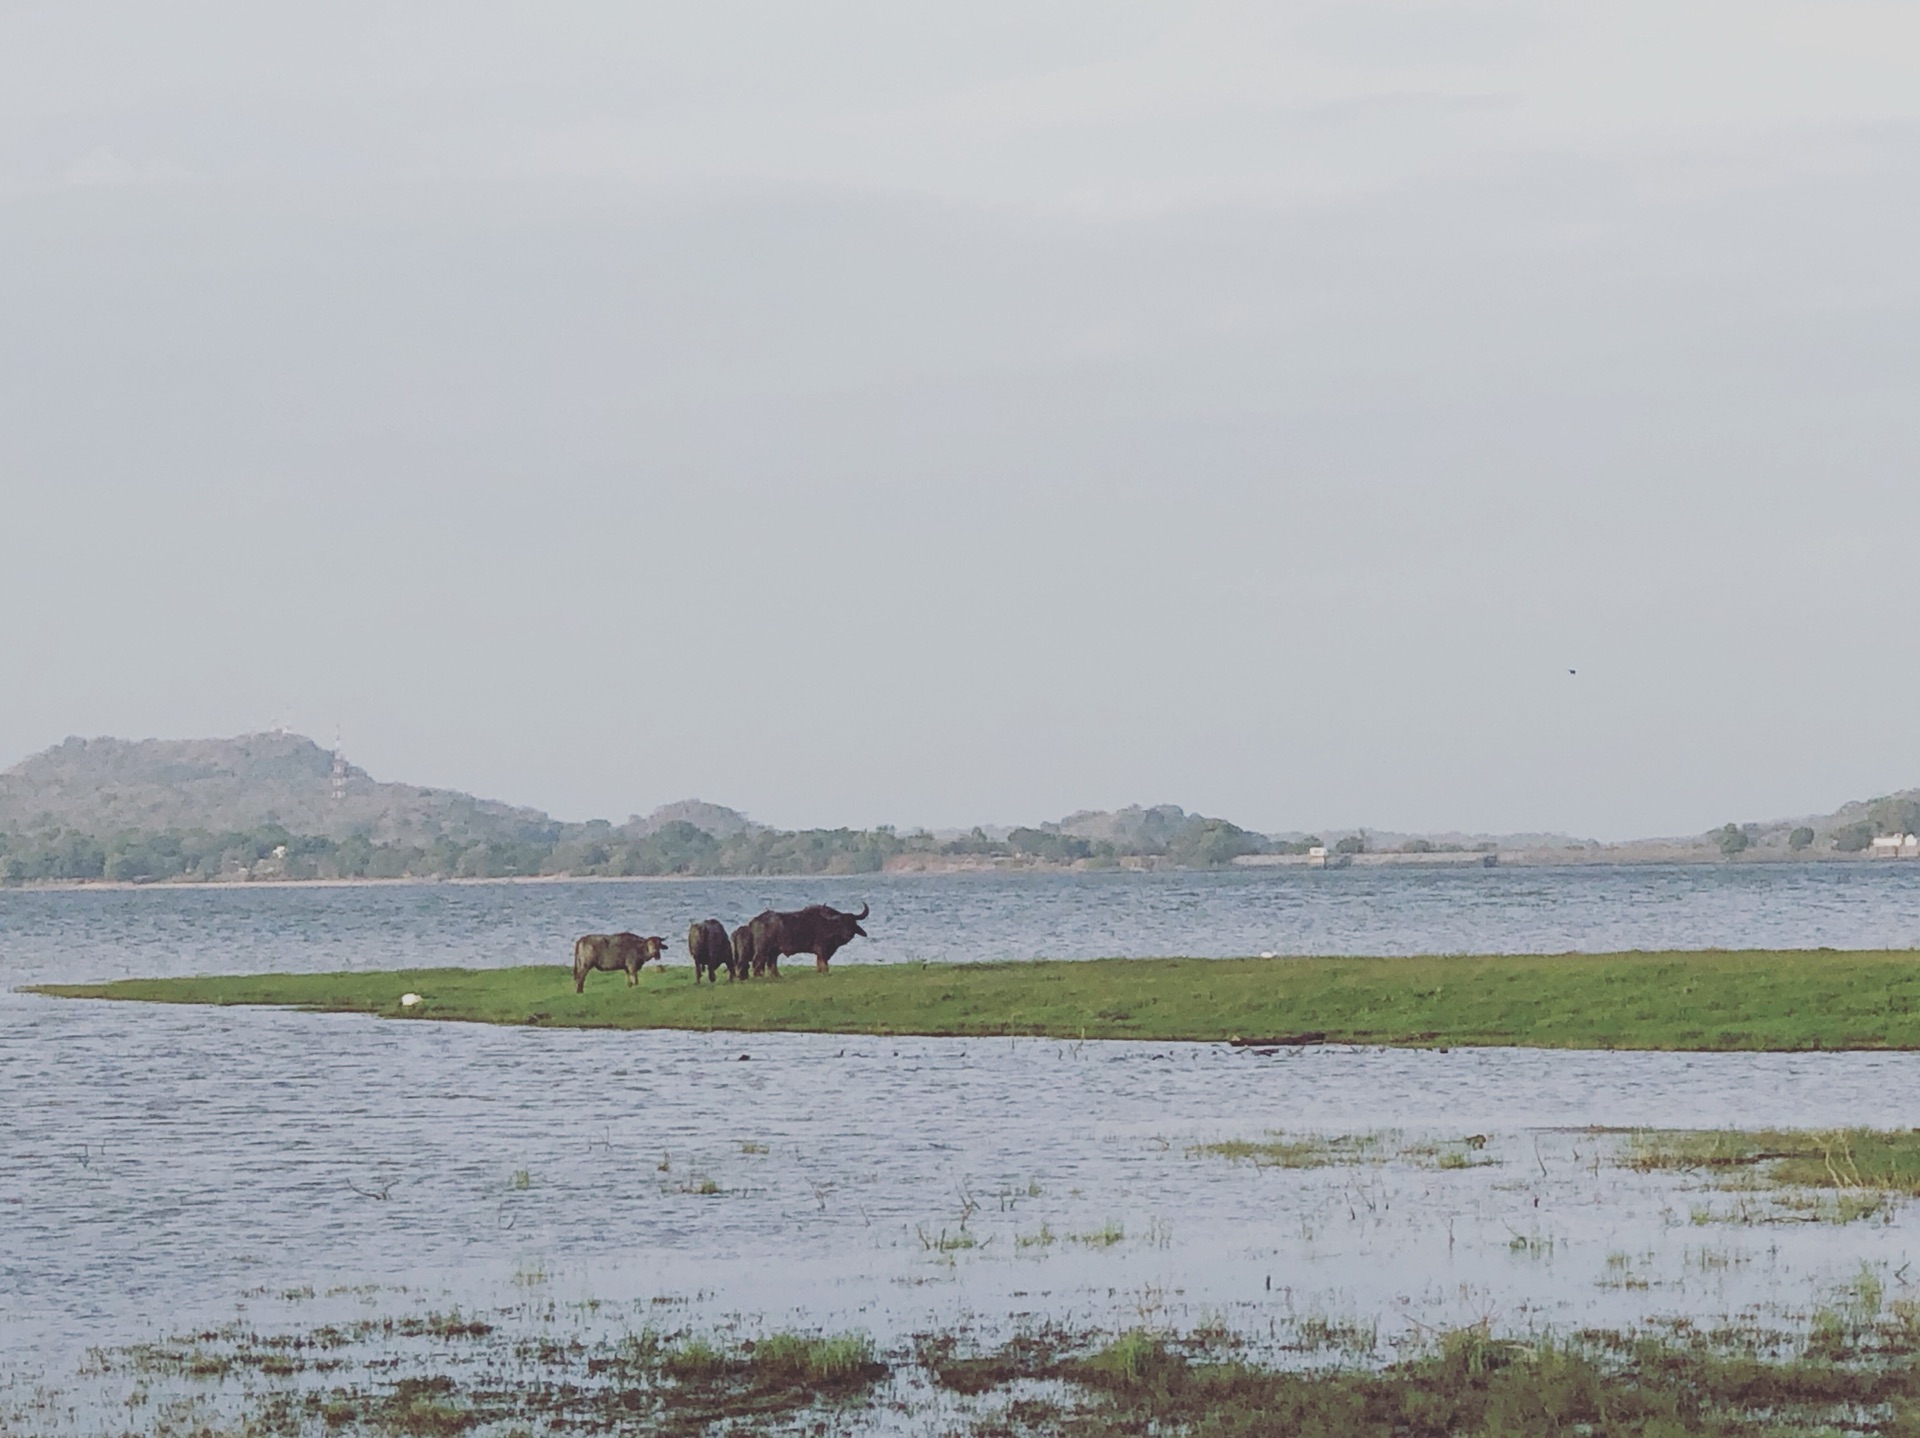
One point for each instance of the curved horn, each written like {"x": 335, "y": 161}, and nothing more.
{"x": 863, "y": 910}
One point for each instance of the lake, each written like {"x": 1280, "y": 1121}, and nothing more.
{"x": 164, "y": 1166}
{"x": 90, "y": 934}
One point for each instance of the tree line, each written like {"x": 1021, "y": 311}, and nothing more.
{"x": 273, "y": 852}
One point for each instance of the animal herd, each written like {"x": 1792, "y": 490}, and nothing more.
{"x": 751, "y": 951}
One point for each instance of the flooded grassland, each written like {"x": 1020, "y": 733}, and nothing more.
{"x": 330, "y": 1223}
{"x": 255, "y": 1220}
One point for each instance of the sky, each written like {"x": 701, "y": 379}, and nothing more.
{"x": 1420, "y": 415}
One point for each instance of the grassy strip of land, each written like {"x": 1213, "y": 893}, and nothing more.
{"x": 1747, "y": 1000}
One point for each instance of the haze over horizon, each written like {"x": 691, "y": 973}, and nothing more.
{"x": 862, "y": 416}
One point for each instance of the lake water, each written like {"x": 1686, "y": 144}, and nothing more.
{"x": 157, "y": 931}
{"x": 164, "y": 1167}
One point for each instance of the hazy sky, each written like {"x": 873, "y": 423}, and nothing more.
{"x": 868, "y": 413}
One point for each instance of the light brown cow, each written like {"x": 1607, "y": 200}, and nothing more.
{"x": 610, "y": 953}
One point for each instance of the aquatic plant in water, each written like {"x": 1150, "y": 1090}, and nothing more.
{"x": 1832, "y": 1176}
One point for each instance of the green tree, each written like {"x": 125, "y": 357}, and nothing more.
{"x": 1895, "y": 816}
{"x": 1853, "y": 838}
{"x": 79, "y": 857}
{"x": 1800, "y": 839}
{"x": 1211, "y": 844}
{"x": 1732, "y": 840}
{"x": 1046, "y": 844}
{"x": 975, "y": 843}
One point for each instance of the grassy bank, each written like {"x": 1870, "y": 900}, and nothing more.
{"x": 1796, "y": 999}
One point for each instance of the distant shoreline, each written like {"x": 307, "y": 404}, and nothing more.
{"x": 1425, "y": 863}
{"x": 275, "y": 807}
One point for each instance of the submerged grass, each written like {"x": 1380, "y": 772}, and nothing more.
{"x": 1865, "y": 1160}
{"x": 1279, "y": 1150}
{"x": 1710, "y": 1000}
{"x": 470, "y": 1378}
{"x": 1852, "y": 1367}
{"x": 1857, "y": 1378}
{"x": 1829, "y": 1176}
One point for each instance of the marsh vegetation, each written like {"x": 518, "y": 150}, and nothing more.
{"x": 1848, "y": 1363}
{"x": 1280, "y": 1150}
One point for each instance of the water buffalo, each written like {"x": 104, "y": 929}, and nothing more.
{"x": 712, "y": 951}
{"x": 743, "y": 965}
{"x": 816, "y": 930}
{"x": 611, "y": 953}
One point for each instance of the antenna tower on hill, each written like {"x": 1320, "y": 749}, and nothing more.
{"x": 339, "y": 769}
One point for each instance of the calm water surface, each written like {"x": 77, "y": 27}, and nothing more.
{"x": 963, "y": 917}
{"x": 158, "y": 1165}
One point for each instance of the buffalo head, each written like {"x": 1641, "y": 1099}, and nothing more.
{"x": 841, "y": 926}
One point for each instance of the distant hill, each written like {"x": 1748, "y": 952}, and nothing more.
{"x": 280, "y": 806}
{"x": 99, "y": 786}
{"x": 1129, "y": 828}
{"x": 716, "y": 819}
{"x": 1848, "y": 829}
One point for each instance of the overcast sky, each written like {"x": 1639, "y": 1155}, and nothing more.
{"x": 879, "y": 413}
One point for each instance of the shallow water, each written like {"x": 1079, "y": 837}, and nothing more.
{"x": 159, "y": 1164}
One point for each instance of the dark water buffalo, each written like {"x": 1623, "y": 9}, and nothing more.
{"x": 712, "y": 951}
{"x": 610, "y": 953}
{"x": 816, "y": 930}
{"x": 743, "y": 965}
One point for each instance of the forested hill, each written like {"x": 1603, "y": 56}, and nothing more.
{"x": 271, "y": 806}
{"x": 274, "y": 806}
{"x": 101, "y": 786}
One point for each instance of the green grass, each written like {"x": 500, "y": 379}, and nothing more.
{"x": 1786, "y": 1175}
{"x": 1870, "y": 1160}
{"x": 1712, "y": 1000}
{"x": 836, "y": 1360}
